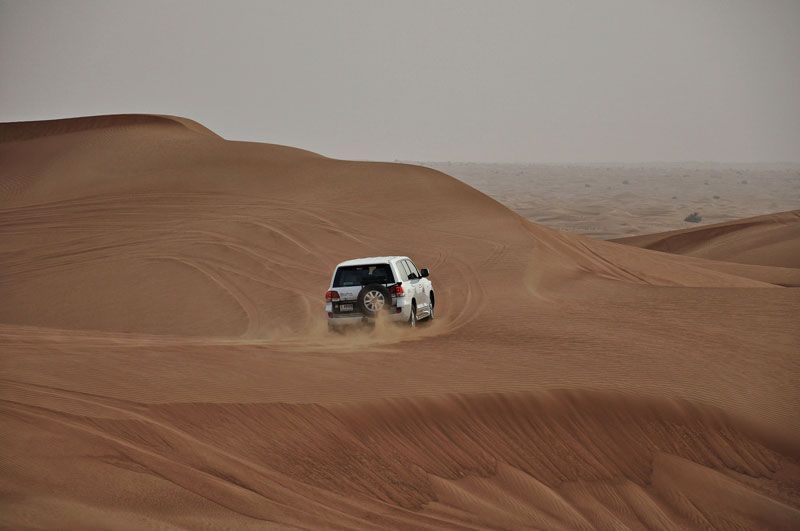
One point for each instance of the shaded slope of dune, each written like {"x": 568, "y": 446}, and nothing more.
{"x": 561, "y": 460}
{"x": 161, "y": 328}
{"x": 771, "y": 240}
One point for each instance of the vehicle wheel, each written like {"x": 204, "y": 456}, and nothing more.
{"x": 372, "y": 299}
{"x": 432, "y": 307}
{"x": 412, "y": 317}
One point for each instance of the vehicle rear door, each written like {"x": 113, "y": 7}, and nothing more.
{"x": 349, "y": 280}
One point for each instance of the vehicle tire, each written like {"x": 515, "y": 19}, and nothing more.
{"x": 412, "y": 316}
{"x": 372, "y": 299}
{"x": 432, "y": 307}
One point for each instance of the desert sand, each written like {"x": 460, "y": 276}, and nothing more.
{"x": 608, "y": 201}
{"x": 764, "y": 240}
{"x": 165, "y": 362}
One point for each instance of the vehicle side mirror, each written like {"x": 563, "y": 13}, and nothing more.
{"x": 424, "y": 272}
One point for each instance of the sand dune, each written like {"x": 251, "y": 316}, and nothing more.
{"x": 772, "y": 240}
{"x": 165, "y": 360}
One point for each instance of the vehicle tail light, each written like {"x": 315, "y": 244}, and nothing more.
{"x": 397, "y": 290}
{"x": 331, "y": 295}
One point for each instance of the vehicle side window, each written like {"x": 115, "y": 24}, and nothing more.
{"x": 406, "y": 269}
{"x": 413, "y": 268}
{"x": 403, "y": 269}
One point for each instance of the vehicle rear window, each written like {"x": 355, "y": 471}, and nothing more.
{"x": 362, "y": 275}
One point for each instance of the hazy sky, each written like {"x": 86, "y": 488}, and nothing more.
{"x": 581, "y": 81}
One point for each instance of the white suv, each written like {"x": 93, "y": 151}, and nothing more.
{"x": 365, "y": 288}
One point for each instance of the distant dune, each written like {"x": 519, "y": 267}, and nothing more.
{"x": 165, "y": 360}
{"x": 772, "y": 240}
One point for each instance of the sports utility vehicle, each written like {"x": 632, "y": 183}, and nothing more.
{"x": 365, "y": 288}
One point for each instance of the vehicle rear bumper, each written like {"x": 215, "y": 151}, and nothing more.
{"x": 357, "y": 318}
